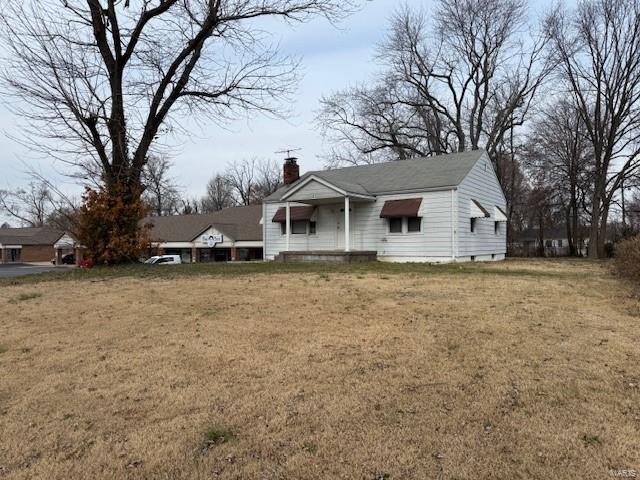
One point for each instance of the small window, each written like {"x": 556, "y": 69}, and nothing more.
{"x": 414, "y": 224}
{"x": 312, "y": 228}
{"x": 473, "y": 225}
{"x": 395, "y": 225}
{"x": 496, "y": 227}
{"x": 299, "y": 227}
{"x": 549, "y": 243}
{"x": 560, "y": 243}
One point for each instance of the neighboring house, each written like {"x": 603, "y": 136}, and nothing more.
{"x": 34, "y": 245}
{"x": 228, "y": 235}
{"x": 435, "y": 209}
{"x": 555, "y": 242}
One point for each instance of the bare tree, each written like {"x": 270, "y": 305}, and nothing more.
{"x": 242, "y": 176}
{"x": 268, "y": 180}
{"x": 102, "y": 81}
{"x": 161, "y": 192}
{"x": 189, "y": 206}
{"x": 463, "y": 83}
{"x": 4, "y": 226}
{"x": 219, "y": 195}
{"x": 558, "y": 145}
{"x": 30, "y": 206}
{"x": 597, "y": 47}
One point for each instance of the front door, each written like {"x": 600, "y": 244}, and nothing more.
{"x": 339, "y": 216}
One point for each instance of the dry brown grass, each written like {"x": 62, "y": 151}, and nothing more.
{"x": 309, "y": 376}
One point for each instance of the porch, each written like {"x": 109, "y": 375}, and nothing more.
{"x": 299, "y": 215}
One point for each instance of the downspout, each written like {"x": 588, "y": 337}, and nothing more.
{"x": 453, "y": 226}
{"x": 264, "y": 232}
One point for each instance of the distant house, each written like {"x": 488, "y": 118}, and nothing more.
{"x": 35, "y": 245}
{"x": 232, "y": 234}
{"x": 554, "y": 242}
{"x": 436, "y": 209}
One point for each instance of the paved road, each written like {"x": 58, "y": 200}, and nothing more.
{"x": 18, "y": 270}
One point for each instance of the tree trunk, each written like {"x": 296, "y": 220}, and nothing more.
{"x": 594, "y": 232}
{"x": 602, "y": 234}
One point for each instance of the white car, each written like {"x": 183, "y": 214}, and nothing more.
{"x": 164, "y": 260}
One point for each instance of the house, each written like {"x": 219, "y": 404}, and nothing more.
{"x": 555, "y": 242}
{"x": 435, "y": 209}
{"x": 228, "y": 235}
{"x": 36, "y": 245}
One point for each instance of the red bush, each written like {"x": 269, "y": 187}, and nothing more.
{"x": 85, "y": 263}
{"x": 109, "y": 225}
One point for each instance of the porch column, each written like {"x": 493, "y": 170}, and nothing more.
{"x": 288, "y": 224}
{"x": 347, "y": 234}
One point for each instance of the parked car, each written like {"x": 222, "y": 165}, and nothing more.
{"x": 164, "y": 260}
{"x": 67, "y": 259}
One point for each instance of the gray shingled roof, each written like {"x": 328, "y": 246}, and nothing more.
{"x": 239, "y": 223}
{"x": 406, "y": 175}
{"x": 30, "y": 236}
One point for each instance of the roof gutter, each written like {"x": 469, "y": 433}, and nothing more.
{"x": 393, "y": 192}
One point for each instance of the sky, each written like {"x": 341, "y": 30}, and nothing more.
{"x": 333, "y": 57}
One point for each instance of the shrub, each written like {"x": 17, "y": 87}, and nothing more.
{"x": 110, "y": 225}
{"x": 86, "y": 263}
{"x": 628, "y": 258}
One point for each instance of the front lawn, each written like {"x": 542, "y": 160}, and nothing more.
{"x": 520, "y": 369}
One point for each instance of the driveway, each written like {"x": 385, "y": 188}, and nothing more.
{"x": 20, "y": 269}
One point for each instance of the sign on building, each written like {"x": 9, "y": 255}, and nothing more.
{"x": 212, "y": 240}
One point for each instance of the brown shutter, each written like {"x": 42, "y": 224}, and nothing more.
{"x": 297, "y": 213}
{"x": 408, "y": 207}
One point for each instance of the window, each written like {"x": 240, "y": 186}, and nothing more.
{"x": 496, "y": 227}
{"x": 473, "y": 225}
{"x": 549, "y": 243}
{"x": 298, "y": 227}
{"x": 560, "y": 243}
{"x": 414, "y": 224}
{"x": 395, "y": 225}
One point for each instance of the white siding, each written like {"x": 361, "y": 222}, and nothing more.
{"x": 480, "y": 184}
{"x": 370, "y": 232}
{"x": 314, "y": 190}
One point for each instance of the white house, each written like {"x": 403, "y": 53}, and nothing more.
{"x": 435, "y": 209}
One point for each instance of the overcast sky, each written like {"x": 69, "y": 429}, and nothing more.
{"x": 333, "y": 57}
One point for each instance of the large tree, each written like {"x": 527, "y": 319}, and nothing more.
{"x": 558, "y": 146}
{"x": 461, "y": 82}
{"x": 597, "y": 48}
{"x": 103, "y": 81}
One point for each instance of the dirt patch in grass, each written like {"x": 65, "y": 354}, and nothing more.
{"x": 324, "y": 375}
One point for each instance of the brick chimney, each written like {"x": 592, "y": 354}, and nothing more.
{"x": 291, "y": 170}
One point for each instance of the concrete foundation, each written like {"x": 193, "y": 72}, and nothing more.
{"x": 327, "y": 256}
